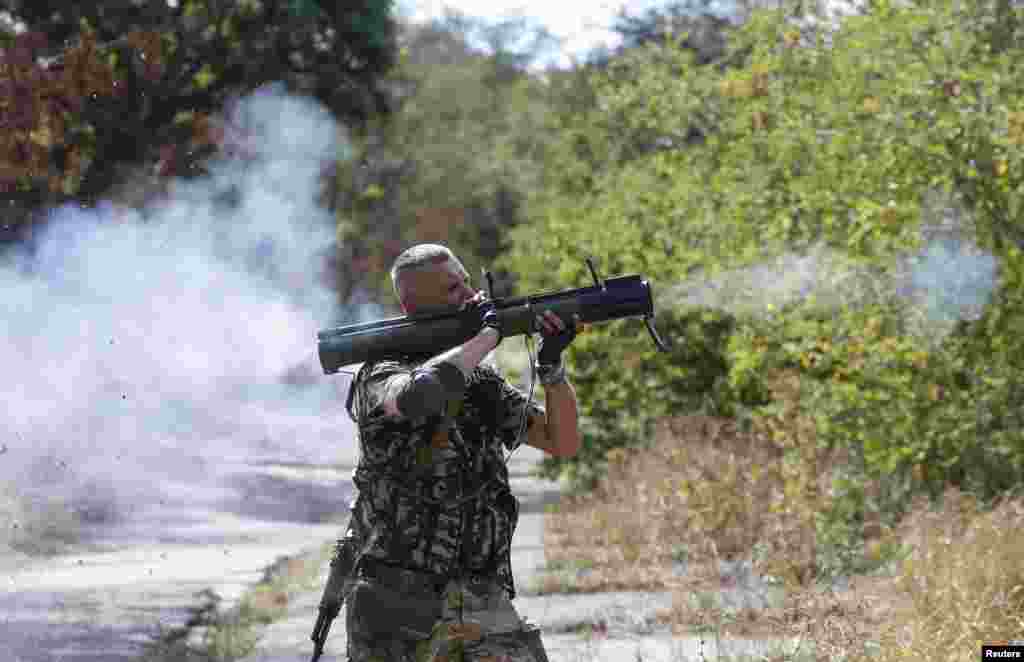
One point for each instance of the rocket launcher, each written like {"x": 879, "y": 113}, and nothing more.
{"x": 608, "y": 299}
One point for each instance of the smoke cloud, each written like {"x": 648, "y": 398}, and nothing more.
{"x": 145, "y": 348}
{"x": 948, "y": 280}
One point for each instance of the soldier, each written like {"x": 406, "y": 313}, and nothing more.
{"x": 434, "y": 517}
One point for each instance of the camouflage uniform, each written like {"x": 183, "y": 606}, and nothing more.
{"x": 434, "y": 519}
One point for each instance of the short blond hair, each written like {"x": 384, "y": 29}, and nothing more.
{"x": 415, "y": 258}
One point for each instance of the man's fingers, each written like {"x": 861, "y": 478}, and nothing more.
{"x": 550, "y": 323}
{"x": 555, "y": 320}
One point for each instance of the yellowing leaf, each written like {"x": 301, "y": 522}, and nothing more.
{"x": 42, "y": 136}
{"x": 204, "y": 77}
{"x": 373, "y": 192}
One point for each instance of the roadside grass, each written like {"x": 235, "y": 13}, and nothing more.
{"x": 213, "y": 634}
{"x": 38, "y": 526}
{"x": 695, "y": 497}
{"x": 707, "y": 498}
{"x": 559, "y": 577}
{"x": 964, "y": 582}
{"x": 52, "y": 509}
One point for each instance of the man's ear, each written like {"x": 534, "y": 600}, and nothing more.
{"x": 408, "y": 307}
{"x": 403, "y": 299}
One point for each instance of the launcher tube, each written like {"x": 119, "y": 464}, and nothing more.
{"x": 613, "y": 298}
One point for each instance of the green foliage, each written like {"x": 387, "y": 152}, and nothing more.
{"x": 89, "y": 71}
{"x": 857, "y": 142}
{"x": 453, "y": 163}
{"x": 908, "y": 410}
{"x": 647, "y": 384}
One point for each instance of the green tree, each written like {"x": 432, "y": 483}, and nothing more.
{"x": 459, "y": 156}
{"x": 697, "y": 24}
{"x": 851, "y": 140}
{"x": 90, "y": 88}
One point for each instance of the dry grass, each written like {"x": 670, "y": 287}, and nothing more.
{"x": 43, "y": 526}
{"x": 214, "y": 634}
{"x": 708, "y": 492}
{"x": 964, "y": 581}
{"x": 705, "y": 490}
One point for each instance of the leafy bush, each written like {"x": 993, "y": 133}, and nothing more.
{"x": 628, "y": 385}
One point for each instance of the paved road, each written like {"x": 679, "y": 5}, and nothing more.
{"x": 101, "y": 604}
{"x": 629, "y": 615}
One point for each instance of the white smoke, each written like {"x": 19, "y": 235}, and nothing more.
{"x": 142, "y": 345}
{"x": 948, "y": 280}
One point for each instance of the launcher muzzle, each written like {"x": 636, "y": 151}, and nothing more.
{"x": 609, "y": 299}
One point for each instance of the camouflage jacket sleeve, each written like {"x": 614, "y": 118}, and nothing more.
{"x": 385, "y": 440}
{"x": 370, "y": 389}
{"x": 513, "y": 404}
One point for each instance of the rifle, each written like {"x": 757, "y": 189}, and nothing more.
{"x": 609, "y": 299}
{"x": 334, "y": 594}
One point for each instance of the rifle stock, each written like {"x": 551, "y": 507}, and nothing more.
{"x": 613, "y": 298}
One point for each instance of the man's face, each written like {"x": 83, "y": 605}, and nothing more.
{"x": 437, "y": 288}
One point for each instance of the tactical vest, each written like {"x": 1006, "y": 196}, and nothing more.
{"x": 443, "y": 494}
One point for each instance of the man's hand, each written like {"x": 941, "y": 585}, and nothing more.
{"x": 479, "y": 313}
{"x": 559, "y": 435}
{"x": 556, "y": 335}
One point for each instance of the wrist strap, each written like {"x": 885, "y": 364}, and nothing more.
{"x": 551, "y": 373}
